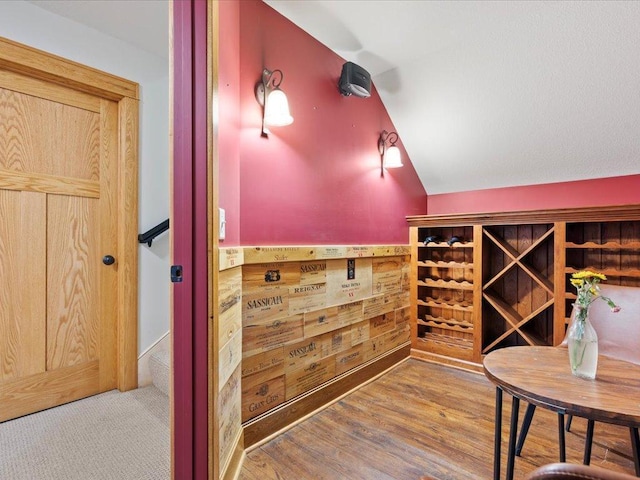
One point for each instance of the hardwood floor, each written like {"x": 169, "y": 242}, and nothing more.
{"x": 421, "y": 419}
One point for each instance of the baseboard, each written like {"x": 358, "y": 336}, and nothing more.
{"x": 287, "y": 415}
{"x": 144, "y": 373}
{"x": 444, "y": 360}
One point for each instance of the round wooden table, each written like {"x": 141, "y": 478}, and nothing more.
{"x": 542, "y": 377}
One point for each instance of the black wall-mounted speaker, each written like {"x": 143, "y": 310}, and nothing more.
{"x": 354, "y": 80}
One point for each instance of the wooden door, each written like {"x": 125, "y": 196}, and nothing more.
{"x": 61, "y": 156}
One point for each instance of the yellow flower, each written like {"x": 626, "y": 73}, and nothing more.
{"x": 586, "y": 283}
{"x": 588, "y": 274}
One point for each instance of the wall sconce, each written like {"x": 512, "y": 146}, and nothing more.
{"x": 275, "y": 106}
{"x": 390, "y": 155}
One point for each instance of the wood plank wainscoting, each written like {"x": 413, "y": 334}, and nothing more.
{"x": 299, "y": 327}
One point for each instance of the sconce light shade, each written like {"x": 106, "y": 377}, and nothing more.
{"x": 275, "y": 106}
{"x": 276, "y": 110}
{"x": 391, "y": 157}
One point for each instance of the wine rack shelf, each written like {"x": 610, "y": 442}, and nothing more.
{"x": 429, "y": 263}
{"x": 605, "y": 246}
{"x": 449, "y": 284}
{"x": 487, "y": 281}
{"x": 429, "y": 302}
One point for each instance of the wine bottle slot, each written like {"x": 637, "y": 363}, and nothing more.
{"x": 453, "y": 240}
{"x": 430, "y": 239}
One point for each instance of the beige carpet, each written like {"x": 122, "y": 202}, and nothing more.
{"x": 111, "y": 436}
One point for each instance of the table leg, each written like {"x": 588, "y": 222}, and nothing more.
{"x": 497, "y": 438}
{"x": 588, "y": 441}
{"x": 568, "y": 425}
{"x": 513, "y": 431}
{"x": 526, "y": 423}
{"x": 635, "y": 446}
{"x": 561, "y": 445}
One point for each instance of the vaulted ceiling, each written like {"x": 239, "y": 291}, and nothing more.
{"x": 483, "y": 94}
{"x": 496, "y": 93}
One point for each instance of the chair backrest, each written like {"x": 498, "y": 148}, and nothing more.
{"x": 567, "y": 471}
{"x": 618, "y": 333}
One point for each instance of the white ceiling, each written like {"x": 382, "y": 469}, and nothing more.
{"x": 143, "y": 23}
{"x": 496, "y": 93}
{"x": 483, "y": 94}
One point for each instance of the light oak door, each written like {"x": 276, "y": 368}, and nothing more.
{"x": 60, "y": 245}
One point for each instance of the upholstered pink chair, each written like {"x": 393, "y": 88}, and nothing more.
{"x": 618, "y": 337}
{"x": 568, "y": 471}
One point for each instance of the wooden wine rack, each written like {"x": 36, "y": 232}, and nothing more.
{"x": 445, "y": 287}
{"x": 507, "y": 282}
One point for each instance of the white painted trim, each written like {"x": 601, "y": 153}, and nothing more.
{"x": 144, "y": 373}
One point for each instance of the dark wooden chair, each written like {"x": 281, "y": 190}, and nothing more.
{"x": 618, "y": 337}
{"x": 568, "y": 471}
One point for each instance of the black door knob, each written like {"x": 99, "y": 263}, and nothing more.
{"x": 108, "y": 260}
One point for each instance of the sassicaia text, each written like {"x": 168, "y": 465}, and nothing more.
{"x": 264, "y": 302}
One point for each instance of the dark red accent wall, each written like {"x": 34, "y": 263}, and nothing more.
{"x": 584, "y": 193}
{"x": 317, "y": 181}
{"x": 227, "y": 113}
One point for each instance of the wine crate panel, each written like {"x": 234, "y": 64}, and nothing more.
{"x": 405, "y": 284}
{"x": 260, "y": 337}
{"x": 265, "y": 305}
{"x": 348, "y": 280}
{"x": 320, "y": 321}
{"x": 331, "y": 252}
{"x": 373, "y": 347}
{"x": 313, "y": 272}
{"x": 382, "y": 324}
{"x": 310, "y": 376}
{"x": 401, "y": 299}
{"x": 230, "y": 415}
{"x": 278, "y": 254}
{"x": 305, "y": 298}
{"x": 350, "y": 313}
{"x": 303, "y": 353}
{"x": 360, "y": 251}
{"x": 265, "y": 276}
{"x": 260, "y": 362}
{"x": 229, "y": 357}
{"x": 403, "y": 318}
{"x": 230, "y": 257}
{"x": 349, "y": 359}
{"x": 336, "y": 341}
{"x": 261, "y": 392}
{"x": 359, "y": 332}
{"x": 229, "y": 306}
{"x": 388, "y": 251}
{"x": 379, "y": 305}
{"x": 397, "y": 337}
{"x": 387, "y": 275}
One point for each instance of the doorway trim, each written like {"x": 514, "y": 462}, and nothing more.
{"x": 189, "y": 236}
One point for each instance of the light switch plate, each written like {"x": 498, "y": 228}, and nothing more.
{"x": 223, "y": 223}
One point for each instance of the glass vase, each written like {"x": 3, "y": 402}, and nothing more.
{"x": 582, "y": 341}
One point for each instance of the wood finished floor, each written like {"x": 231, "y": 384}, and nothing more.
{"x": 422, "y": 419}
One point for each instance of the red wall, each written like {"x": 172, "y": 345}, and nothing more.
{"x": 227, "y": 118}
{"x": 317, "y": 181}
{"x": 584, "y": 193}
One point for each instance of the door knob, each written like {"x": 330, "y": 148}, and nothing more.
{"x": 108, "y": 260}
